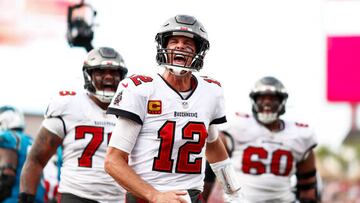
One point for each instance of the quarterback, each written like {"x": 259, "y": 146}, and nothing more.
{"x": 167, "y": 122}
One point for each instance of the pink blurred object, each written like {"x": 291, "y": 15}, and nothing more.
{"x": 216, "y": 195}
{"x": 343, "y": 69}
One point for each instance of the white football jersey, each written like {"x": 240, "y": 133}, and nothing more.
{"x": 265, "y": 160}
{"x": 87, "y": 129}
{"x": 169, "y": 151}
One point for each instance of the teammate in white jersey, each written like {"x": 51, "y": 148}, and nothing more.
{"x": 169, "y": 121}
{"x": 268, "y": 150}
{"x": 78, "y": 121}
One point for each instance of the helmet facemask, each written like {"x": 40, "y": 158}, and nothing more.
{"x": 268, "y": 110}
{"x": 103, "y": 88}
{"x": 100, "y": 60}
{"x": 186, "y": 26}
{"x": 268, "y": 98}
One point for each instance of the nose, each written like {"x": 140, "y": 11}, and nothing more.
{"x": 180, "y": 45}
{"x": 108, "y": 76}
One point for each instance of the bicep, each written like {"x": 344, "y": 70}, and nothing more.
{"x": 44, "y": 147}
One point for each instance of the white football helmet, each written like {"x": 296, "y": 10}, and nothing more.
{"x": 11, "y": 118}
{"x": 268, "y": 86}
{"x": 182, "y": 25}
{"x": 102, "y": 58}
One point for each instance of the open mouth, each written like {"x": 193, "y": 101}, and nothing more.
{"x": 179, "y": 59}
{"x": 109, "y": 88}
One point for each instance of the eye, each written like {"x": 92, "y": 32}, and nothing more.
{"x": 190, "y": 49}
{"x": 172, "y": 41}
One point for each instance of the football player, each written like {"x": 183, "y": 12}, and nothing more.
{"x": 78, "y": 121}
{"x": 167, "y": 123}
{"x": 269, "y": 150}
{"x": 14, "y": 147}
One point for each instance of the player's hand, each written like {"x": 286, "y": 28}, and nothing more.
{"x": 170, "y": 197}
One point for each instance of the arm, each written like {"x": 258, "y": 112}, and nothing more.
{"x": 116, "y": 165}
{"x": 306, "y": 179}
{"x": 209, "y": 174}
{"x": 124, "y": 136}
{"x": 216, "y": 151}
{"x": 41, "y": 151}
{"x": 221, "y": 165}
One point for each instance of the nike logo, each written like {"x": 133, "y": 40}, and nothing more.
{"x": 125, "y": 85}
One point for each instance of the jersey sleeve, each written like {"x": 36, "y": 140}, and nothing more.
{"x": 56, "y": 106}
{"x": 125, "y": 134}
{"x": 8, "y": 140}
{"x": 130, "y": 101}
{"x": 310, "y": 143}
{"x": 53, "y": 117}
{"x": 307, "y": 141}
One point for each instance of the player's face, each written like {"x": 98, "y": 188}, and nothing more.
{"x": 268, "y": 103}
{"x": 106, "y": 79}
{"x": 182, "y": 50}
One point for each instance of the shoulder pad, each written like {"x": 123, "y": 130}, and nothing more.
{"x": 59, "y": 102}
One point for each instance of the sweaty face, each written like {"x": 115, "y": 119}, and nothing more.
{"x": 106, "y": 79}
{"x": 268, "y": 103}
{"x": 181, "y": 50}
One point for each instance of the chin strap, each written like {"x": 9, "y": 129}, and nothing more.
{"x": 178, "y": 71}
{"x": 104, "y": 96}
